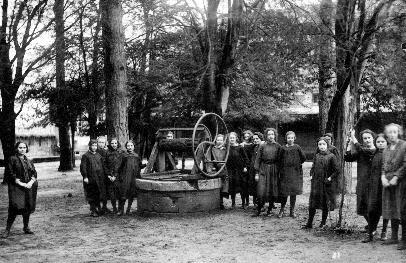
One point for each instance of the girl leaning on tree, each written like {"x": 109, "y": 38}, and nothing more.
{"x": 374, "y": 194}
{"x": 363, "y": 155}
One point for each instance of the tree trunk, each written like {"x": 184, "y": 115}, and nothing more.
{"x": 220, "y": 55}
{"x": 115, "y": 70}
{"x": 8, "y": 93}
{"x": 325, "y": 63}
{"x": 95, "y": 92}
{"x": 72, "y": 135}
{"x": 65, "y": 162}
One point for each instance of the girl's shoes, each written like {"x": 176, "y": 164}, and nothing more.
{"x": 307, "y": 226}
{"x": 383, "y": 236}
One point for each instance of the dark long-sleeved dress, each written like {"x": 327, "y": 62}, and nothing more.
{"x": 216, "y": 153}
{"x": 112, "y": 164}
{"x": 236, "y": 162}
{"x": 252, "y": 184}
{"x": 394, "y": 164}
{"x": 248, "y": 147}
{"x": 291, "y": 176}
{"x": 129, "y": 170}
{"x": 323, "y": 192}
{"x": 91, "y": 167}
{"x": 267, "y": 163}
{"x": 363, "y": 157}
{"x": 21, "y": 200}
{"x": 375, "y": 184}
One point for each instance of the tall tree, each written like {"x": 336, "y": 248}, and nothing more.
{"x": 325, "y": 62}
{"x": 65, "y": 163}
{"x": 115, "y": 70}
{"x": 353, "y": 39}
{"x": 220, "y": 48}
{"x": 27, "y": 24}
{"x": 91, "y": 74}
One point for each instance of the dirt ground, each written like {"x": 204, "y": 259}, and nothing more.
{"x": 64, "y": 232}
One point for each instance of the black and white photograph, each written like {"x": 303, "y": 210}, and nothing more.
{"x": 203, "y": 131}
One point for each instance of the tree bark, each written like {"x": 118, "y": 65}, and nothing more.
{"x": 8, "y": 92}
{"x": 325, "y": 63}
{"x": 220, "y": 55}
{"x": 115, "y": 70}
{"x": 65, "y": 161}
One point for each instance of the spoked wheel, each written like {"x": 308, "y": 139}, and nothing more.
{"x": 200, "y": 148}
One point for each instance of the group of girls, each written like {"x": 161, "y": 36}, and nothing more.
{"x": 110, "y": 174}
{"x": 381, "y": 167}
{"x": 264, "y": 170}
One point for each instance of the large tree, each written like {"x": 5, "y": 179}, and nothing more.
{"x": 353, "y": 39}
{"x": 115, "y": 73}
{"x": 19, "y": 32}
{"x": 65, "y": 163}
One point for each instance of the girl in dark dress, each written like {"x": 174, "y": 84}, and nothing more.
{"x": 237, "y": 164}
{"x": 324, "y": 176}
{"x": 292, "y": 158}
{"x": 91, "y": 169}
{"x": 267, "y": 164}
{"x": 330, "y": 142}
{"x": 129, "y": 170}
{"x": 252, "y": 184}
{"x": 248, "y": 148}
{"x": 112, "y": 163}
{"x": 393, "y": 170}
{"x": 101, "y": 149}
{"x": 21, "y": 178}
{"x": 363, "y": 155}
{"x": 375, "y": 190}
{"x": 218, "y": 153}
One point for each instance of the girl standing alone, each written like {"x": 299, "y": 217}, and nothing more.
{"x": 22, "y": 183}
{"x": 324, "y": 175}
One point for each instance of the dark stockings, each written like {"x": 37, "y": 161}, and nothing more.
{"x": 312, "y": 213}
{"x": 394, "y": 223}
{"x": 12, "y": 216}
{"x": 130, "y": 202}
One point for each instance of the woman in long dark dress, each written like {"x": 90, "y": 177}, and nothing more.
{"x": 248, "y": 148}
{"x": 393, "y": 169}
{"x": 363, "y": 155}
{"x": 91, "y": 169}
{"x": 252, "y": 184}
{"x": 375, "y": 190}
{"x": 111, "y": 165}
{"x": 101, "y": 149}
{"x": 129, "y": 170}
{"x": 237, "y": 164}
{"x": 218, "y": 153}
{"x": 267, "y": 164}
{"x": 21, "y": 178}
{"x": 324, "y": 176}
{"x": 291, "y": 176}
